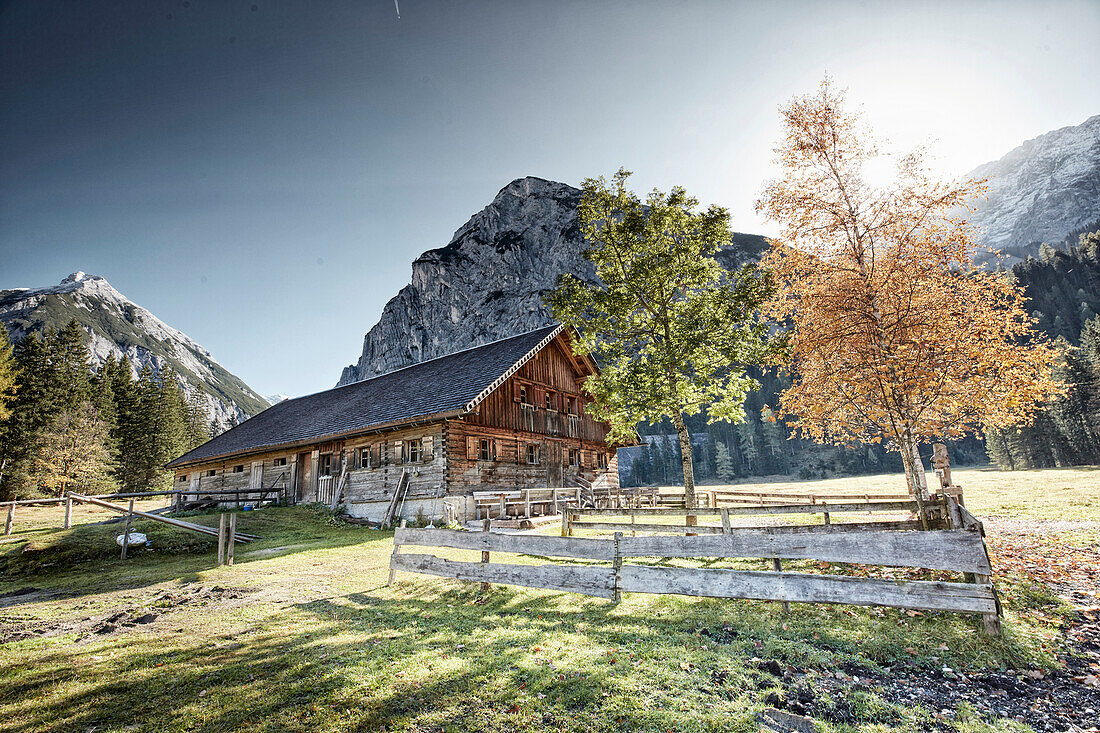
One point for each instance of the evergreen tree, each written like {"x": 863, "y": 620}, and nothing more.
{"x": 724, "y": 470}
{"x": 746, "y": 437}
{"x": 8, "y": 376}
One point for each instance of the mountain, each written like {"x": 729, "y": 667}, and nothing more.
{"x": 1042, "y": 191}
{"x": 490, "y": 280}
{"x": 119, "y": 326}
{"x": 275, "y": 399}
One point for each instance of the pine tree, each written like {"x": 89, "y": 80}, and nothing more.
{"x": 724, "y": 466}
{"x": 8, "y": 376}
{"x": 746, "y": 437}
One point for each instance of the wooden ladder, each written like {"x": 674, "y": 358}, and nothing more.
{"x": 398, "y": 494}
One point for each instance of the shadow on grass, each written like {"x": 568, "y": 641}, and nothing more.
{"x": 86, "y": 559}
{"x": 429, "y": 654}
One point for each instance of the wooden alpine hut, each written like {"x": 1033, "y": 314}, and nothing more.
{"x": 421, "y": 440}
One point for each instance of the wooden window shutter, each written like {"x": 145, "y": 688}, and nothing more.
{"x": 471, "y": 448}
{"x": 426, "y": 445}
{"x": 398, "y": 451}
{"x": 381, "y": 453}
{"x": 515, "y": 391}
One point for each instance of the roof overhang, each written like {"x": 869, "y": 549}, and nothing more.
{"x": 378, "y": 428}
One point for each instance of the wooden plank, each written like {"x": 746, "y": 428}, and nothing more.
{"x": 585, "y": 548}
{"x": 202, "y": 529}
{"x": 787, "y": 529}
{"x": 874, "y": 506}
{"x": 957, "y": 550}
{"x": 620, "y": 526}
{"x": 590, "y": 581}
{"x": 800, "y": 588}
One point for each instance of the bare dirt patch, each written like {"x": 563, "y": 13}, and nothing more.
{"x": 131, "y": 614}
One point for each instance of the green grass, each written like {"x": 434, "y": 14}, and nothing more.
{"x": 303, "y": 634}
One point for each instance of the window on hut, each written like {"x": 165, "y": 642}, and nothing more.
{"x": 364, "y": 457}
{"x": 550, "y": 403}
{"x": 524, "y": 395}
{"x": 211, "y": 472}
{"x": 415, "y": 451}
{"x": 532, "y": 453}
{"x": 601, "y": 459}
{"x": 484, "y": 449}
{"x": 574, "y": 456}
{"x": 324, "y": 466}
{"x": 183, "y": 478}
{"x": 238, "y": 469}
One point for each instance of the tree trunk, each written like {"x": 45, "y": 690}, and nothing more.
{"x": 690, "y": 502}
{"x": 915, "y": 479}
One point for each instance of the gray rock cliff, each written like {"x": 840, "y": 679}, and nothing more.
{"x": 1042, "y": 190}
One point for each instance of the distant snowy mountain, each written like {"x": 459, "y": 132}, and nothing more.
{"x": 1041, "y": 191}
{"x": 119, "y": 326}
{"x": 276, "y": 398}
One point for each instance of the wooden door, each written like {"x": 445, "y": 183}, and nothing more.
{"x": 303, "y": 476}
{"x": 553, "y": 464}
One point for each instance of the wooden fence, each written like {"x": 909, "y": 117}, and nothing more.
{"x": 598, "y": 518}
{"x": 955, "y": 550}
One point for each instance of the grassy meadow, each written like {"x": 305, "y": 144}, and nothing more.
{"x": 302, "y": 634}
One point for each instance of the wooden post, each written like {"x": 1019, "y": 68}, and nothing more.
{"x": 11, "y": 519}
{"x": 713, "y": 500}
{"x": 633, "y": 533}
{"x": 527, "y": 503}
{"x": 726, "y": 521}
{"x": 503, "y": 507}
{"x": 617, "y": 564}
{"x": 126, "y": 532}
{"x": 565, "y": 523}
{"x": 485, "y": 553}
{"x": 778, "y": 566}
{"x": 68, "y": 513}
{"x": 230, "y": 538}
{"x": 828, "y": 520}
{"x": 221, "y": 540}
{"x": 396, "y": 548}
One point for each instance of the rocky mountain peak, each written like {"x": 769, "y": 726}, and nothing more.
{"x": 487, "y": 283}
{"x": 1042, "y": 190}
{"x": 116, "y": 326}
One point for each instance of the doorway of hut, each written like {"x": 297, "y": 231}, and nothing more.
{"x": 553, "y": 464}
{"x": 302, "y": 477}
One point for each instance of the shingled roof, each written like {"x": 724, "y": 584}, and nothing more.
{"x": 436, "y": 389}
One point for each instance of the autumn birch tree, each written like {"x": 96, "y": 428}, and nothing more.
{"x": 671, "y": 329}
{"x": 896, "y": 335}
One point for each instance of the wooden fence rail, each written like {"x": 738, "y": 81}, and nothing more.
{"x": 954, "y": 550}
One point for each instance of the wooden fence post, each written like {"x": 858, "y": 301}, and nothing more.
{"x": 11, "y": 519}
{"x": 565, "y": 522}
{"x": 527, "y": 503}
{"x": 126, "y": 533}
{"x": 230, "y": 537}
{"x": 221, "y": 540}
{"x": 828, "y": 520}
{"x": 396, "y": 548}
{"x": 617, "y": 564}
{"x": 485, "y": 553}
{"x": 778, "y": 567}
{"x": 68, "y": 513}
{"x": 725, "y": 521}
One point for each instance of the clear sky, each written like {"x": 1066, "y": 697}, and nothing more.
{"x": 260, "y": 174}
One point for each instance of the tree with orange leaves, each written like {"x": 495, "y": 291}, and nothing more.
{"x": 896, "y": 335}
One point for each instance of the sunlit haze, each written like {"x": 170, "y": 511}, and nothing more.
{"x": 260, "y": 175}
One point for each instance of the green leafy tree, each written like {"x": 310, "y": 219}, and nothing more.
{"x": 672, "y": 329}
{"x": 72, "y": 453}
